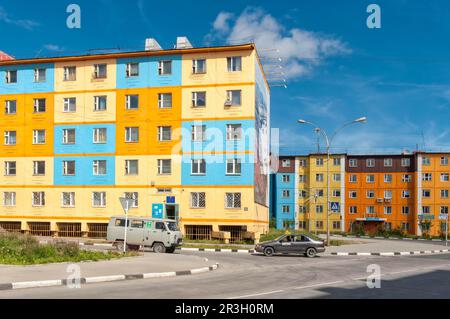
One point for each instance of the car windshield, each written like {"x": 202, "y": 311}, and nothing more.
{"x": 172, "y": 226}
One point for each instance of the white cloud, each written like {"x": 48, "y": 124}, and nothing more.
{"x": 300, "y": 50}
{"x": 23, "y": 23}
{"x": 53, "y": 47}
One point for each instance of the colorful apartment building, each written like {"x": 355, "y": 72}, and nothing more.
{"x": 183, "y": 132}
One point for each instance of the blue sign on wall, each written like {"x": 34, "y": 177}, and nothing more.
{"x": 170, "y": 199}
{"x": 335, "y": 206}
{"x": 157, "y": 211}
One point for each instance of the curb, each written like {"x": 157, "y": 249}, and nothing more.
{"x": 401, "y": 253}
{"x": 100, "y": 279}
{"x": 389, "y": 238}
{"x": 219, "y": 250}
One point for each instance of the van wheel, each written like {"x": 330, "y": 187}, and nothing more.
{"x": 159, "y": 248}
{"x": 310, "y": 253}
{"x": 119, "y": 246}
{"x": 269, "y": 251}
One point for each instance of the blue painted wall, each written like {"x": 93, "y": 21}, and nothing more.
{"x": 279, "y": 201}
{"x": 84, "y": 171}
{"x": 84, "y": 139}
{"x": 25, "y": 79}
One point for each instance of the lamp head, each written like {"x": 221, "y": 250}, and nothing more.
{"x": 361, "y": 120}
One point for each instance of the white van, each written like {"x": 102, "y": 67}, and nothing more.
{"x": 163, "y": 235}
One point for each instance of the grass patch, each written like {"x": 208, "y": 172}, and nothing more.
{"x": 18, "y": 249}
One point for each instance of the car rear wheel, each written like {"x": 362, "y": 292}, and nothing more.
{"x": 159, "y": 248}
{"x": 119, "y": 245}
{"x": 269, "y": 251}
{"x": 311, "y": 252}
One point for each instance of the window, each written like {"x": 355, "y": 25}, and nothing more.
{"x": 131, "y": 167}
{"x": 388, "y": 178}
{"x": 286, "y": 209}
{"x": 164, "y": 133}
{"x": 234, "y": 98}
{"x": 319, "y": 224}
{"x": 99, "y": 135}
{"x": 336, "y": 193}
{"x": 131, "y": 134}
{"x": 319, "y": 177}
{"x": 302, "y": 178}
{"x": 9, "y": 199}
{"x": 353, "y": 209}
{"x": 301, "y": 225}
{"x": 388, "y": 210}
{"x": 68, "y": 199}
{"x": 302, "y": 209}
{"x": 233, "y": 200}
{"x": 164, "y": 166}
{"x": 388, "y": 162}
{"x": 388, "y": 194}
{"x": 39, "y": 75}
{"x": 426, "y": 193}
{"x": 98, "y": 199}
{"x": 319, "y": 193}
{"x": 353, "y": 163}
{"x": 444, "y": 177}
{"x": 426, "y": 209}
{"x": 353, "y": 178}
{"x": 444, "y": 193}
{"x": 407, "y": 178}
{"x": 38, "y": 199}
{"x": 427, "y": 177}
{"x": 99, "y": 167}
{"x": 286, "y": 178}
{"x": 198, "y": 167}
{"x": 234, "y": 64}
{"x": 198, "y": 200}
{"x": 370, "y": 178}
{"x": 234, "y": 166}
{"x": 336, "y": 177}
{"x": 370, "y": 162}
{"x": 336, "y": 161}
{"x": 319, "y": 209}
{"x": 353, "y": 194}
{"x": 10, "y": 107}
{"x": 387, "y": 226}
{"x": 11, "y": 76}
{"x": 134, "y": 196}
{"x": 370, "y": 210}
{"x": 39, "y": 105}
{"x": 444, "y": 161}
{"x": 336, "y": 225}
{"x": 444, "y": 210}
{"x": 165, "y": 67}
{"x": 199, "y": 66}
{"x": 370, "y": 194}
{"x": 198, "y": 133}
{"x": 285, "y": 163}
{"x": 302, "y": 194}
{"x": 10, "y": 168}
{"x": 70, "y": 105}
{"x": 165, "y": 100}
{"x": 70, "y": 73}
{"x": 38, "y": 136}
{"x": 426, "y": 160}
{"x": 132, "y": 102}
{"x": 406, "y": 162}
{"x": 405, "y": 226}
{"x": 164, "y": 190}
{"x": 100, "y": 103}
{"x": 132, "y": 69}
{"x": 302, "y": 163}
{"x": 68, "y": 136}
{"x": 38, "y": 168}
{"x": 234, "y": 132}
{"x": 68, "y": 168}
{"x": 406, "y": 194}
{"x": 319, "y": 161}
{"x": 199, "y": 99}
{"x": 99, "y": 71}
{"x": 286, "y": 193}
{"x": 405, "y": 210}
{"x": 10, "y": 137}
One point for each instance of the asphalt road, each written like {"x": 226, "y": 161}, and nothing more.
{"x": 259, "y": 277}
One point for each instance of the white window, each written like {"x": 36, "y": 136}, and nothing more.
{"x": 100, "y": 71}
{"x": 444, "y": 160}
{"x": 38, "y": 168}
{"x": 99, "y": 167}
{"x": 286, "y": 208}
{"x": 132, "y": 69}
{"x": 134, "y": 196}
{"x": 131, "y": 134}
{"x": 198, "y": 133}
{"x": 131, "y": 167}
{"x": 405, "y": 210}
{"x": 370, "y": 210}
{"x": 38, "y": 136}
{"x": 10, "y": 168}
{"x": 68, "y": 199}
{"x": 370, "y": 162}
{"x": 164, "y": 166}
{"x": 10, "y": 137}
{"x": 234, "y": 64}
{"x": 11, "y": 76}
{"x": 70, "y": 73}
{"x": 337, "y": 161}
{"x": 336, "y": 193}
{"x": 302, "y": 209}
{"x": 388, "y": 178}
{"x": 319, "y": 192}
{"x": 370, "y": 194}
{"x": 426, "y": 209}
{"x": 388, "y": 162}
{"x": 370, "y": 178}
{"x": 444, "y": 193}
{"x": 234, "y": 132}
{"x": 39, "y": 105}
{"x": 233, "y": 200}
{"x": 406, "y": 162}
{"x": 388, "y": 194}
{"x": 164, "y": 133}
{"x": 319, "y": 209}
{"x": 444, "y": 210}
{"x": 165, "y": 100}
{"x": 68, "y": 136}
{"x": 336, "y": 177}
{"x": 353, "y": 163}
{"x": 352, "y": 194}
{"x": 199, "y": 99}
{"x": 427, "y": 177}
{"x": 426, "y": 160}
{"x": 10, "y": 106}
{"x": 98, "y": 199}
{"x": 100, "y": 103}
{"x": 198, "y": 200}
{"x": 38, "y": 199}
{"x": 353, "y": 209}
{"x": 302, "y": 178}
{"x": 234, "y": 98}
{"x": 39, "y": 75}
{"x": 444, "y": 177}
{"x": 302, "y": 163}
{"x": 388, "y": 210}
{"x": 285, "y": 178}
{"x": 70, "y": 104}
{"x": 406, "y": 178}
{"x": 302, "y": 194}
{"x": 68, "y": 168}
{"x": 234, "y": 166}
{"x": 319, "y": 177}
{"x": 319, "y": 161}
{"x": 198, "y": 167}
{"x": 99, "y": 135}
{"x": 285, "y": 163}
{"x": 132, "y": 101}
{"x": 353, "y": 178}
{"x": 9, "y": 199}
{"x": 165, "y": 67}
{"x": 199, "y": 66}
{"x": 406, "y": 194}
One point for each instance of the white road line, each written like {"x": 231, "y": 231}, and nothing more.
{"x": 258, "y": 294}
{"x": 320, "y": 284}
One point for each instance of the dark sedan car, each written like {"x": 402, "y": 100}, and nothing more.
{"x": 291, "y": 244}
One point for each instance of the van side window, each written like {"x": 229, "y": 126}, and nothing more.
{"x": 137, "y": 224}
{"x": 160, "y": 225}
{"x": 121, "y": 222}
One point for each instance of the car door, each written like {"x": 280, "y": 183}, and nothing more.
{"x": 301, "y": 244}
{"x": 160, "y": 233}
{"x": 285, "y": 245}
{"x": 135, "y": 232}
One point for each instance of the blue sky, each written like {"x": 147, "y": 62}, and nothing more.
{"x": 336, "y": 68}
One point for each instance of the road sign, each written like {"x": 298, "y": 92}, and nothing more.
{"x": 126, "y": 203}
{"x": 170, "y": 199}
{"x": 157, "y": 210}
{"x": 335, "y": 206}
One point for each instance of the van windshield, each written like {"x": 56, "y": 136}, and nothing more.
{"x": 172, "y": 226}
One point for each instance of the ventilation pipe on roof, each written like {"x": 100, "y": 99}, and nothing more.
{"x": 183, "y": 43}
{"x": 152, "y": 45}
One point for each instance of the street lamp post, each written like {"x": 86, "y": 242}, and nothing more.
{"x": 328, "y": 142}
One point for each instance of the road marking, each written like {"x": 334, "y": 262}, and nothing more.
{"x": 318, "y": 285}
{"x": 258, "y": 294}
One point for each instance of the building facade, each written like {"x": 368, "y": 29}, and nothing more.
{"x": 183, "y": 132}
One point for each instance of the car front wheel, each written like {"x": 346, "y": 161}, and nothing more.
{"x": 310, "y": 253}
{"x": 159, "y": 248}
{"x": 269, "y": 251}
